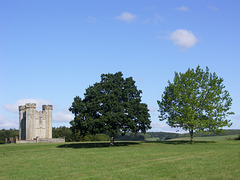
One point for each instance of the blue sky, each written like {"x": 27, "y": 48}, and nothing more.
{"x": 52, "y": 50}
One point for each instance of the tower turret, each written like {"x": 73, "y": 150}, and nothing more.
{"x": 22, "y": 123}
{"x": 47, "y": 113}
{"x": 30, "y": 121}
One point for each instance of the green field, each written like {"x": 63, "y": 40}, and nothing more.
{"x": 126, "y": 160}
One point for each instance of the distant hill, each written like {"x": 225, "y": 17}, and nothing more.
{"x": 167, "y": 135}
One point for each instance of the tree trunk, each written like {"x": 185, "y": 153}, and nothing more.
{"x": 112, "y": 141}
{"x": 191, "y": 135}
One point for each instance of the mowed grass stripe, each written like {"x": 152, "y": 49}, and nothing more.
{"x": 141, "y": 161}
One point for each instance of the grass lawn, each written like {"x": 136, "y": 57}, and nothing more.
{"x": 126, "y": 160}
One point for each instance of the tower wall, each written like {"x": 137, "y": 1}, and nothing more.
{"x": 34, "y": 123}
{"x": 22, "y": 123}
{"x": 47, "y": 113}
{"x": 30, "y": 121}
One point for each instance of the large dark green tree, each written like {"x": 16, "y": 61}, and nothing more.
{"x": 111, "y": 106}
{"x": 196, "y": 101}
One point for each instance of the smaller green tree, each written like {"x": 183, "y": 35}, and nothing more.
{"x": 196, "y": 101}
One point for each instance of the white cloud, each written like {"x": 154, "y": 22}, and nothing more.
{"x": 155, "y": 20}
{"x": 152, "y": 109}
{"x": 158, "y": 18}
{"x": 150, "y": 8}
{"x": 91, "y": 19}
{"x": 182, "y": 8}
{"x": 212, "y": 8}
{"x": 126, "y": 17}
{"x": 159, "y": 125}
{"x": 137, "y": 78}
{"x": 146, "y": 21}
{"x": 6, "y": 123}
{"x": 14, "y": 107}
{"x": 162, "y": 127}
{"x": 59, "y": 116}
{"x": 237, "y": 117}
{"x": 183, "y": 38}
{"x": 62, "y": 116}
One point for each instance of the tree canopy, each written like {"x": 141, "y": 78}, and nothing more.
{"x": 111, "y": 106}
{"x": 196, "y": 101}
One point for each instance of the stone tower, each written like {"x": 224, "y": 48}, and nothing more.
{"x": 33, "y": 123}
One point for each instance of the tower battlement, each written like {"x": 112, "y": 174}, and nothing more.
{"x": 22, "y": 108}
{"x": 30, "y": 105}
{"x": 47, "y": 107}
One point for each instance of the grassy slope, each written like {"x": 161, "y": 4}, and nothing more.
{"x": 166, "y": 160}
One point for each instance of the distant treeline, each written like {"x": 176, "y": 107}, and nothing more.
{"x": 206, "y": 134}
{"x": 7, "y": 134}
{"x": 70, "y": 137}
{"x": 166, "y": 136}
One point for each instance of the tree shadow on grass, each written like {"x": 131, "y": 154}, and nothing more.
{"x": 180, "y": 142}
{"x": 96, "y": 145}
